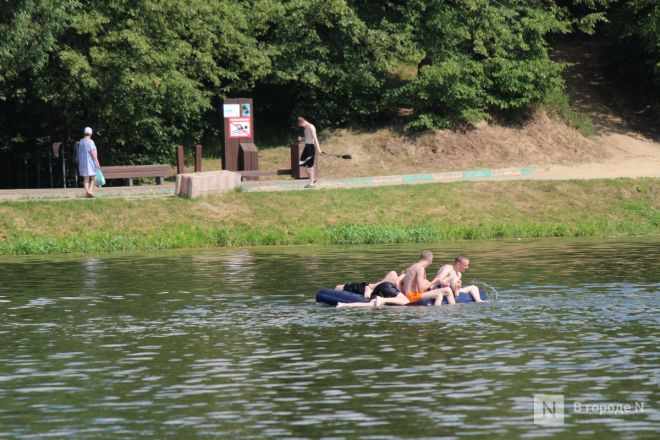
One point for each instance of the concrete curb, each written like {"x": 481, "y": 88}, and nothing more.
{"x": 277, "y": 185}
{"x": 403, "y": 179}
{"x": 201, "y": 184}
{"x": 166, "y": 190}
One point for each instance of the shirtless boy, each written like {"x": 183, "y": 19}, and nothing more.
{"x": 412, "y": 286}
{"x": 450, "y": 275}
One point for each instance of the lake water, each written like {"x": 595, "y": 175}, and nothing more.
{"x": 231, "y": 344}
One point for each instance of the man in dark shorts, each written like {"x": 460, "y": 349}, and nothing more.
{"x": 380, "y": 294}
{"x": 358, "y": 288}
{"x": 379, "y": 288}
{"x": 312, "y": 149}
{"x": 411, "y": 286}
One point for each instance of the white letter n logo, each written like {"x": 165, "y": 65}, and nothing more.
{"x": 548, "y": 409}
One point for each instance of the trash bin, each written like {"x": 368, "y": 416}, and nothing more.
{"x": 248, "y": 157}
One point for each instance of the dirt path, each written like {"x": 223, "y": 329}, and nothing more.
{"x": 625, "y": 144}
{"x": 627, "y": 156}
{"x": 627, "y": 151}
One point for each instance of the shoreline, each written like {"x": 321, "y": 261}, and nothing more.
{"x": 424, "y": 213}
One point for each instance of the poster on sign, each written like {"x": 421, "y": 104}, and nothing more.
{"x": 240, "y": 128}
{"x": 231, "y": 110}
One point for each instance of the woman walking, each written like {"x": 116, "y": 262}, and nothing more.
{"x": 88, "y": 161}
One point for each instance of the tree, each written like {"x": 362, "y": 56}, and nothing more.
{"x": 29, "y": 33}
{"x": 149, "y": 74}
{"x": 635, "y": 44}
{"x": 144, "y": 74}
{"x": 327, "y": 62}
{"x": 480, "y": 57}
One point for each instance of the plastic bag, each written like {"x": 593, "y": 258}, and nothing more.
{"x": 100, "y": 179}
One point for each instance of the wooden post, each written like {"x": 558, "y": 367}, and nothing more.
{"x": 54, "y": 154}
{"x": 244, "y": 112}
{"x": 180, "y": 162}
{"x": 198, "y": 158}
{"x": 50, "y": 167}
{"x": 298, "y": 171}
{"x": 63, "y": 166}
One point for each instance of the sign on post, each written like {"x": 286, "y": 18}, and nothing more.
{"x": 238, "y": 115}
{"x": 240, "y": 128}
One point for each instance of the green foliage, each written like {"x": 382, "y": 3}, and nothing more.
{"x": 149, "y": 71}
{"x": 480, "y": 57}
{"x": 556, "y": 102}
{"x": 149, "y": 74}
{"x": 28, "y": 33}
{"x": 444, "y": 94}
{"x": 144, "y": 74}
{"x": 634, "y": 53}
{"x": 328, "y": 64}
{"x": 468, "y": 210}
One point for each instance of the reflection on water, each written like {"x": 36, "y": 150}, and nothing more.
{"x": 231, "y": 344}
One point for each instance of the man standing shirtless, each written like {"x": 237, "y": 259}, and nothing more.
{"x": 311, "y": 151}
{"x": 450, "y": 275}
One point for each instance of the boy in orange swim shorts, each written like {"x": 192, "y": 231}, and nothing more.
{"x": 414, "y": 296}
{"x": 415, "y": 286}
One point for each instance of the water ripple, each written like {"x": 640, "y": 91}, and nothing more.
{"x": 231, "y": 344}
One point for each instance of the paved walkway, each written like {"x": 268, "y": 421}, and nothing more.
{"x": 78, "y": 193}
{"x": 167, "y": 189}
{"x": 402, "y": 179}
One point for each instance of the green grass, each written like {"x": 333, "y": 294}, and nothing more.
{"x": 385, "y": 215}
{"x": 557, "y": 103}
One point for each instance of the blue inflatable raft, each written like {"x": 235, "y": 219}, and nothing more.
{"x": 331, "y": 297}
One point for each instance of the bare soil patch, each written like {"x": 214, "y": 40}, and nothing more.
{"x": 542, "y": 140}
{"x": 624, "y": 144}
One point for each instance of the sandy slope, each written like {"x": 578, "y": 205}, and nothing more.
{"x": 626, "y": 151}
{"x": 556, "y": 151}
{"x": 627, "y": 156}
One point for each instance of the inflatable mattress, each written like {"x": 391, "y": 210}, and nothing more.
{"x": 331, "y": 297}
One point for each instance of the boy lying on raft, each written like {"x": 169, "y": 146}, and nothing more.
{"x": 450, "y": 275}
{"x": 366, "y": 289}
{"x": 411, "y": 286}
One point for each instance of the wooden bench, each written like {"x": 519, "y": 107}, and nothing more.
{"x": 130, "y": 172}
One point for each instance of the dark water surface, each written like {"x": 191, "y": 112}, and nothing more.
{"x": 230, "y": 344}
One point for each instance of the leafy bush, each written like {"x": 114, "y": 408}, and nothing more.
{"x": 148, "y": 74}
{"x": 557, "y": 102}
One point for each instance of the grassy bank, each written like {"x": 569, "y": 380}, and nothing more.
{"x": 402, "y": 214}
